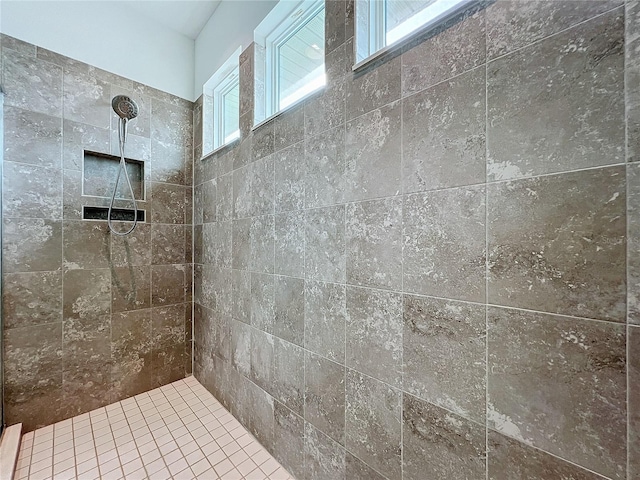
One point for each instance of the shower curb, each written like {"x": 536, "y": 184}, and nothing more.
{"x": 9, "y": 448}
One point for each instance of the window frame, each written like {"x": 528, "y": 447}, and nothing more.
{"x": 373, "y": 22}
{"x": 279, "y": 26}
{"x": 225, "y": 78}
{"x": 224, "y": 87}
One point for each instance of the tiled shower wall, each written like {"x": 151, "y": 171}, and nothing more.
{"x": 422, "y": 271}
{"x": 89, "y": 318}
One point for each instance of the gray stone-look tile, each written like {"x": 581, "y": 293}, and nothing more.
{"x": 262, "y": 360}
{"x": 325, "y": 314}
{"x": 131, "y": 347}
{"x": 86, "y": 364}
{"x": 373, "y": 423}
{"x": 373, "y": 150}
{"x": 559, "y": 384}
{"x": 217, "y": 244}
{"x": 31, "y": 137}
{"x": 374, "y": 243}
{"x": 374, "y": 88}
{"x": 169, "y": 163}
{"x": 444, "y": 243}
{"x": 334, "y": 24}
{"x": 324, "y": 395}
{"x": 262, "y": 301}
{"x": 443, "y": 135}
{"x": 358, "y": 470}
{"x": 262, "y": 244}
{"x": 208, "y": 193}
{"x": 632, "y": 79}
{"x": 262, "y": 144}
{"x": 137, "y": 148}
{"x": 31, "y": 191}
{"x": 31, "y": 245}
{"x": 87, "y": 100}
{"x": 26, "y": 48}
{"x": 633, "y": 240}
{"x": 131, "y": 288}
{"x": 326, "y": 109}
{"x": 242, "y": 193}
{"x": 240, "y": 347}
{"x": 241, "y": 291}
{"x": 241, "y": 248}
{"x": 633, "y": 386}
{"x": 557, "y": 243}
{"x": 167, "y": 327}
{"x": 289, "y": 309}
{"x": 288, "y": 375}
{"x": 289, "y": 127}
{"x": 374, "y": 333}
{"x": 246, "y": 64}
{"x": 338, "y": 63}
{"x": 325, "y": 169}
{"x": 32, "y": 299}
{"x": 167, "y": 244}
{"x": 444, "y": 354}
{"x": 323, "y": 458}
{"x": 224, "y": 198}
{"x": 513, "y": 460}
{"x": 86, "y": 245}
{"x": 439, "y": 444}
{"x": 171, "y": 124}
{"x": 167, "y": 284}
{"x": 289, "y": 244}
{"x": 288, "y": 440}
{"x": 290, "y": 169}
{"x": 553, "y": 107}
{"x": 325, "y": 244}
{"x": 32, "y": 84}
{"x": 513, "y": 25}
{"x": 168, "y": 203}
{"x": 134, "y": 249}
{"x": 33, "y": 375}
{"x": 78, "y": 137}
{"x": 86, "y": 294}
{"x": 262, "y": 187}
{"x": 458, "y": 48}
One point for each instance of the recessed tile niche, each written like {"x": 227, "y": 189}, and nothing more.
{"x": 100, "y": 172}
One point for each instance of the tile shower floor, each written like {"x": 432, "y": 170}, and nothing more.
{"x": 179, "y": 431}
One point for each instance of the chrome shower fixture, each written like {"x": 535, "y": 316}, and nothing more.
{"x": 124, "y": 107}
{"x": 127, "y": 110}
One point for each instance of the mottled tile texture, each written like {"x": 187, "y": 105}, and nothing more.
{"x": 442, "y": 242}
{"x": 80, "y": 331}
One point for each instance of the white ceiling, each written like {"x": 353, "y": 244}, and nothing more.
{"x": 187, "y": 17}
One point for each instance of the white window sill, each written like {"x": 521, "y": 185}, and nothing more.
{"x": 205, "y": 156}
{"x": 438, "y": 22}
{"x": 288, "y": 108}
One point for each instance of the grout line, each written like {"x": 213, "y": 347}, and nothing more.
{"x": 486, "y": 257}
{"x": 422, "y": 295}
{"x": 546, "y": 452}
{"x": 430, "y": 191}
{"x": 402, "y": 298}
{"x": 560, "y": 32}
{"x": 627, "y": 237}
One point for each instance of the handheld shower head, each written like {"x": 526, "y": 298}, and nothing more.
{"x": 124, "y": 107}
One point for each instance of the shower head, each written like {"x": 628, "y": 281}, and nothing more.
{"x": 125, "y": 107}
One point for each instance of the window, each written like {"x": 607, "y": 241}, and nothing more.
{"x": 289, "y": 55}
{"x": 221, "y": 106}
{"x": 381, "y": 24}
{"x": 226, "y": 106}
